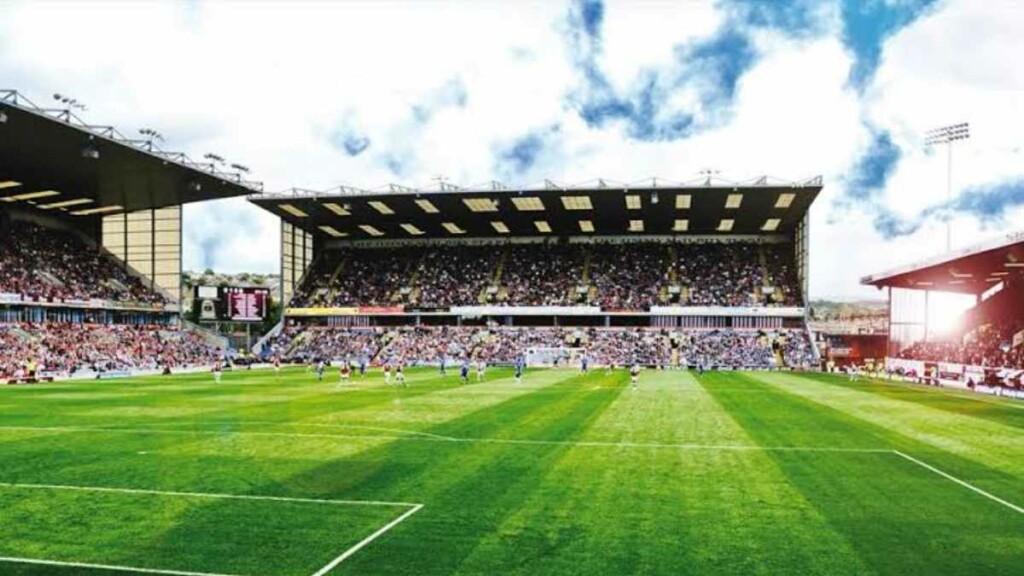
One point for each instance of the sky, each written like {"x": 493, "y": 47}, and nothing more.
{"x": 363, "y": 93}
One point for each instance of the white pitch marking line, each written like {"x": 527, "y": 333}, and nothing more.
{"x": 413, "y": 508}
{"x": 108, "y": 567}
{"x": 963, "y": 483}
{"x": 453, "y": 440}
{"x": 348, "y": 553}
{"x": 204, "y": 495}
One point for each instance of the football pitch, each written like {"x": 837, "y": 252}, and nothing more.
{"x": 725, "y": 473}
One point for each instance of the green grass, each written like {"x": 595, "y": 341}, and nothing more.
{"x": 728, "y": 473}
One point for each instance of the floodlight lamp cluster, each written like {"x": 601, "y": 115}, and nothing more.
{"x": 151, "y": 134}
{"x": 947, "y": 134}
{"x": 69, "y": 102}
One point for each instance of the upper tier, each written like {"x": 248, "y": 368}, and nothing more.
{"x": 631, "y": 276}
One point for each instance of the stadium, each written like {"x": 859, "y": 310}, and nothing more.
{"x": 594, "y": 378}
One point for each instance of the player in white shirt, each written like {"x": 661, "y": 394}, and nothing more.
{"x": 399, "y": 375}
{"x": 854, "y": 373}
{"x": 387, "y": 373}
{"x": 216, "y": 372}
{"x": 634, "y": 375}
{"x": 481, "y": 366}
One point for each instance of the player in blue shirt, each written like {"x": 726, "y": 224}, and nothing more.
{"x": 464, "y": 372}
{"x": 584, "y": 364}
{"x": 362, "y": 367}
{"x": 443, "y": 360}
{"x": 519, "y": 370}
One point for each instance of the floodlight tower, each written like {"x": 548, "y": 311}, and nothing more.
{"x": 948, "y": 135}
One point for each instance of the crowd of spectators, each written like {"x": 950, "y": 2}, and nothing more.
{"x": 542, "y": 274}
{"x": 628, "y": 276}
{"x": 990, "y": 346}
{"x": 454, "y": 275}
{"x": 732, "y": 348}
{"x": 504, "y": 345}
{"x": 799, "y": 351}
{"x": 46, "y": 264}
{"x": 73, "y": 348}
{"x": 620, "y": 276}
{"x": 718, "y": 274}
{"x": 323, "y": 342}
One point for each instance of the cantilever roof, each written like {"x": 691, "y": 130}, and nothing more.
{"x": 597, "y": 208}
{"x": 970, "y": 270}
{"x": 44, "y": 163}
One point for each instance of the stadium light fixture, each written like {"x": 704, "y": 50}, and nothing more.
{"x": 9, "y": 184}
{"x": 733, "y": 201}
{"x": 577, "y": 203}
{"x": 1014, "y": 264}
{"x": 293, "y": 210}
{"x": 681, "y": 225}
{"x": 726, "y": 225}
{"x": 30, "y": 195}
{"x": 412, "y": 230}
{"x": 69, "y": 102}
{"x": 499, "y": 227}
{"x": 480, "y": 204}
{"x": 332, "y": 231}
{"x": 100, "y": 210}
{"x": 381, "y": 207}
{"x": 67, "y": 203}
{"x": 947, "y": 135}
{"x": 151, "y": 134}
{"x": 542, "y": 226}
{"x": 337, "y": 209}
{"x": 636, "y": 225}
{"x": 785, "y": 199}
{"x": 3, "y": 117}
{"x": 771, "y": 225}
{"x": 371, "y": 230}
{"x": 633, "y": 202}
{"x": 528, "y": 204}
{"x": 654, "y": 197}
{"x": 452, "y": 228}
{"x": 427, "y": 206}
{"x": 683, "y": 201}
{"x": 586, "y": 226}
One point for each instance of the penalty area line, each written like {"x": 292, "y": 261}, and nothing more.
{"x": 963, "y": 483}
{"x": 366, "y": 541}
{"x": 413, "y": 508}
